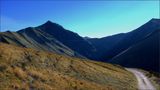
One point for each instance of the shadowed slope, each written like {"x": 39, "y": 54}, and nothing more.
{"x": 113, "y": 45}
{"x": 68, "y": 38}
{"x": 144, "y": 54}
{"x": 105, "y": 44}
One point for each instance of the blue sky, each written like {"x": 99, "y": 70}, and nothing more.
{"x": 87, "y": 18}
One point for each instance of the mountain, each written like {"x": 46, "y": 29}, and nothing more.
{"x": 53, "y": 58}
{"x": 110, "y": 46}
{"x": 54, "y": 38}
{"x": 138, "y": 48}
{"x": 31, "y": 38}
{"x": 68, "y": 38}
{"x": 50, "y": 37}
{"x": 26, "y": 68}
{"x": 144, "y": 54}
{"x": 132, "y": 38}
{"x": 103, "y": 45}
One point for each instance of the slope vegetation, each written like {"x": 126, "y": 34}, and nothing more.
{"x": 24, "y": 68}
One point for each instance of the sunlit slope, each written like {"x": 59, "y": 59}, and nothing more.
{"x": 22, "y": 68}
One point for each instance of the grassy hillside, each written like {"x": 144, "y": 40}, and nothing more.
{"x": 24, "y": 69}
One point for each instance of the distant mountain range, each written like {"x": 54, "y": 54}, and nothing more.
{"x": 138, "y": 48}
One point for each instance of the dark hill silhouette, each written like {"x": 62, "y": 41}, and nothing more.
{"x": 133, "y": 37}
{"x": 144, "y": 54}
{"x": 110, "y": 46}
{"x": 104, "y": 44}
{"x": 68, "y": 38}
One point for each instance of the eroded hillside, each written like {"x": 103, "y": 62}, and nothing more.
{"x": 23, "y": 68}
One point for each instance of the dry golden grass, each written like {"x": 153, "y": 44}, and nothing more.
{"x": 19, "y": 73}
{"x": 23, "y": 68}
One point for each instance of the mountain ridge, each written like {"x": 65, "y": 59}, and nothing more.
{"x": 54, "y": 38}
{"x": 133, "y": 37}
{"x": 144, "y": 54}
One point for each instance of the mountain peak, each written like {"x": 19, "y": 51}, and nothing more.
{"x": 48, "y": 22}
{"x": 51, "y": 24}
{"x": 155, "y": 20}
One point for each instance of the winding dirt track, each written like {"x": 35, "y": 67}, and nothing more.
{"x": 143, "y": 81}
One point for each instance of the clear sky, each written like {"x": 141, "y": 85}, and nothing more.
{"x": 87, "y": 18}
